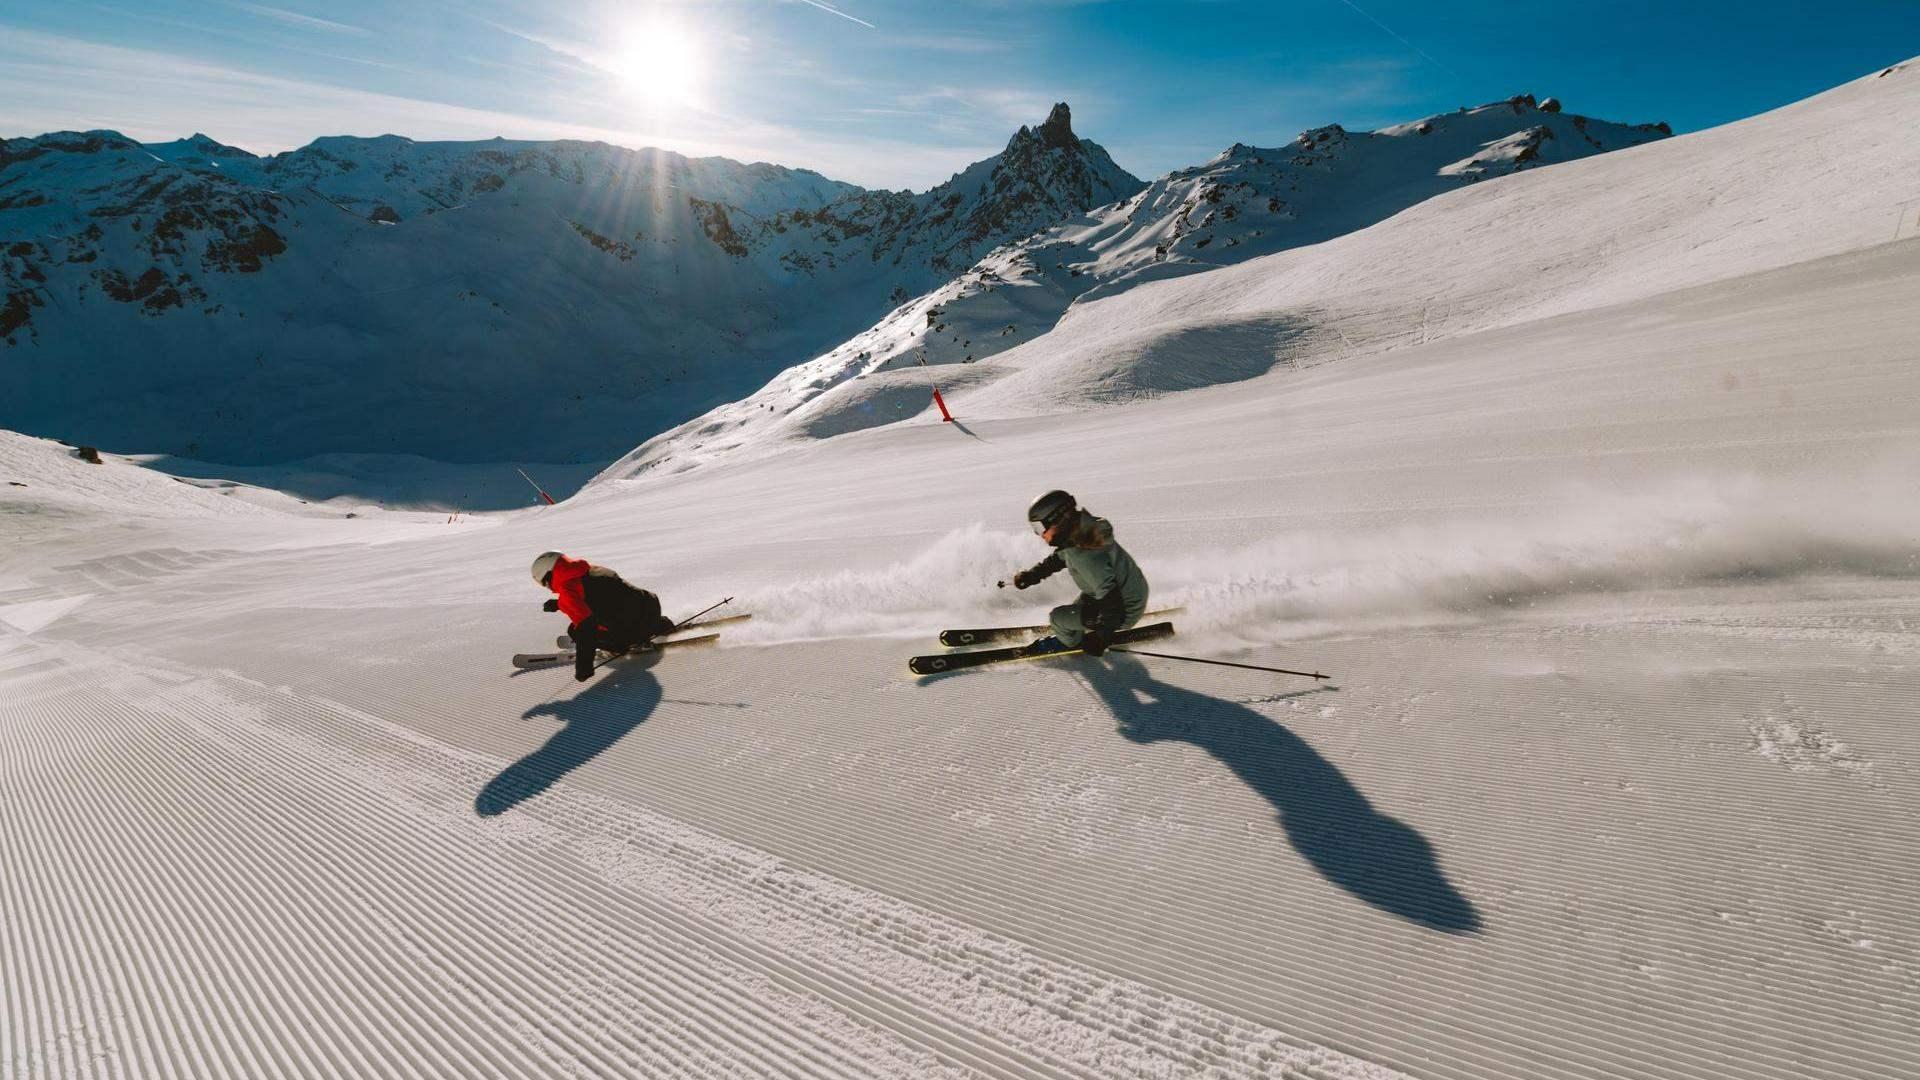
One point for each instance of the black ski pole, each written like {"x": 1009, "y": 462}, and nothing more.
{"x": 701, "y": 612}
{"x": 1221, "y": 663}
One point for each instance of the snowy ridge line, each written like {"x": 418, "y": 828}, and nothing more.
{"x": 1244, "y": 203}
{"x": 152, "y": 751}
{"x": 1748, "y": 197}
{"x": 668, "y": 837}
{"x": 352, "y": 236}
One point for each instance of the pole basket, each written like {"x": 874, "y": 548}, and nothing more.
{"x": 945, "y": 416}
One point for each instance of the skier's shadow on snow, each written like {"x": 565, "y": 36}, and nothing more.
{"x": 1376, "y": 858}
{"x": 619, "y": 699}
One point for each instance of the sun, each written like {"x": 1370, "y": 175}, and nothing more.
{"x": 660, "y": 63}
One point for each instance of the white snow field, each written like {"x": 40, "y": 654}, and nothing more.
{"x": 1616, "y": 571}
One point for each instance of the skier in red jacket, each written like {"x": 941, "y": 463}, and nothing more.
{"x": 603, "y": 611}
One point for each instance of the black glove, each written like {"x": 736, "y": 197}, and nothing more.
{"x": 1096, "y": 642}
{"x": 1025, "y": 579}
{"x": 1104, "y": 614}
{"x": 551, "y": 605}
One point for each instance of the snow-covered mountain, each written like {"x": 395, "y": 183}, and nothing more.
{"x": 1245, "y": 203}
{"x": 466, "y": 301}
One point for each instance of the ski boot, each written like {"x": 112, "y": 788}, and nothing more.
{"x": 1047, "y": 646}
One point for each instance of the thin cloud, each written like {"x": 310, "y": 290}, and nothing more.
{"x": 50, "y": 82}
{"x": 60, "y": 82}
{"x": 842, "y": 14}
{"x": 975, "y": 107}
{"x": 307, "y": 22}
{"x": 963, "y": 44}
{"x": 566, "y": 50}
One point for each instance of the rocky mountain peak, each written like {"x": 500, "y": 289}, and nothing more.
{"x": 1055, "y": 134}
{"x": 1058, "y": 130}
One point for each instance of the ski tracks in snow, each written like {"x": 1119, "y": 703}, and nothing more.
{"x": 207, "y": 876}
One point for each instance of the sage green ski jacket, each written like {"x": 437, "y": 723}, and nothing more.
{"x": 1103, "y": 571}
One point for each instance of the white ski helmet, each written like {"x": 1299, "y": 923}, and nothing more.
{"x": 544, "y": 565}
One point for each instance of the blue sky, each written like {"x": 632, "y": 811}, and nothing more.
{"x": 894, "y": 94}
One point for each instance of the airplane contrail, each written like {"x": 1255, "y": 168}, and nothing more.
{"x": 842, "y": 14}
{"x": 1389, "y": 30}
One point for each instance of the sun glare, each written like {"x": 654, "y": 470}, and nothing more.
{"x": 659, "y": 63}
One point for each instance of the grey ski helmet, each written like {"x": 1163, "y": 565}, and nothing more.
{"x": 1049, "y": 510}
{"x": 543, "y": 566}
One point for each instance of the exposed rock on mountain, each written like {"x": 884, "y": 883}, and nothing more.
{"x": 468, "y": 301}
{"x": 1247, "y": 202}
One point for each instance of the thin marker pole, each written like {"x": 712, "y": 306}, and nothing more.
{"x": 536, "y": 487}
{"x": 945, "y": 416}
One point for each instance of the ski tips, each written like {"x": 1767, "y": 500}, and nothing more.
{"x": 940, "y": 663}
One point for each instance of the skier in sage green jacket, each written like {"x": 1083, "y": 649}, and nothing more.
{"x": 1113, "y": 591}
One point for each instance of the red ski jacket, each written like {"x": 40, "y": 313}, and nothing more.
{"x": 569, "y": 583}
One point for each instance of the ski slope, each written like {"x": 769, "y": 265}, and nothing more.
{"x": 1617, "y": 774}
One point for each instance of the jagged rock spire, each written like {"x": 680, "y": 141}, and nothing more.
{"x": 1058, "y": 130}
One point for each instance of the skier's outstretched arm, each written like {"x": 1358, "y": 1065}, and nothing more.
{"x": 1039, "y": 571}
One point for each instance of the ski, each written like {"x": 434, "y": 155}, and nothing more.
{"x": 1014, "y": 633}
{"x": 565, "y": 643}
{"x": 534, "y": 660}
{"x": 940, "y": 662}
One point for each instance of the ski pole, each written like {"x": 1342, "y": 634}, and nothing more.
{"x": 701, "y": 612}
{"x": 1222, "y": 663}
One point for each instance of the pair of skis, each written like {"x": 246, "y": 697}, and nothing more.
{"x": 937, "y": 663}
{"x": 988, "y": 635}
{"x": 566, "y": 651}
